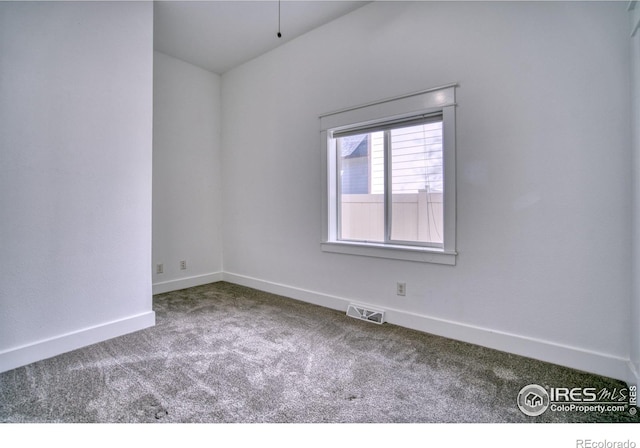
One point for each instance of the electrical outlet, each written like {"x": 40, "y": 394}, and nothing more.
{"x": 159, "y": 268}
{"x": 401, "y": 289}
{"x": 183, "y": 265}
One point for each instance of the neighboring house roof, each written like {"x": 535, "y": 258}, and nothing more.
{"x": 354, "y": 146}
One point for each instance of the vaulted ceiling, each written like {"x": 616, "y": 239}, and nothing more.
{"x": 220, "y": 35}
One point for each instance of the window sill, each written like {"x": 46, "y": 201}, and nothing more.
{"x": 419, "y": 254}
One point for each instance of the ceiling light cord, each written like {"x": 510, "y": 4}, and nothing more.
{"x": 279, "y": 33}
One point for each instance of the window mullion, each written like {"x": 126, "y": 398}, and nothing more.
{"x": 387, "y": 186}
{"x": 338, "y": 187}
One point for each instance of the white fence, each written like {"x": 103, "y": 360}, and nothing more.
{"x": 415, "y": 217}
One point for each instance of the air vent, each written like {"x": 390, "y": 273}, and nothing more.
{"x": 365, "y": 313}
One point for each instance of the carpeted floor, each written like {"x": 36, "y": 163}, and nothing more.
{"x": 225, "y": 353}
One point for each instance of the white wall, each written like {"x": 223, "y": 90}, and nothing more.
{"x": 635, "y": 84}
{"x": 186, "y": 174}
{"x": 544, "y": 183}
{"x": 75, "y": 175}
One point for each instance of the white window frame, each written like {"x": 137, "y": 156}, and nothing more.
{"x": 440, "y": 100}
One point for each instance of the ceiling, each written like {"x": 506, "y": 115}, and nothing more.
{"x": 220, "y": 35}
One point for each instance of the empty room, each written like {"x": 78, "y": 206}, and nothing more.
{"x": 319, "y": 212}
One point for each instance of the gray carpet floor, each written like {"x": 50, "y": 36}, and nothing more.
{"x": 226, "y": 353}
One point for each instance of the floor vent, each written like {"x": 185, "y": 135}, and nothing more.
{"x": 368, "y": 314}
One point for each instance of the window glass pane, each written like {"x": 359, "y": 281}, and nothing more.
{"x": 417, "y": 183}
{"x": 361, "y": 187}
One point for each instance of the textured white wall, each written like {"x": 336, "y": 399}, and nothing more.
{"x": 186, "y": 174}
{"x": 544, "y": 183}
{"x": 75, "y": 174}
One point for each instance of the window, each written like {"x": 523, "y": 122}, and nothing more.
{"x": 390, "y": 178}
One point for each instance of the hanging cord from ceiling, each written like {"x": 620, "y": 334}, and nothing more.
{"x": 279, "y": 33}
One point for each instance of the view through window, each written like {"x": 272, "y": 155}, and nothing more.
{"x": 408, "y": 159}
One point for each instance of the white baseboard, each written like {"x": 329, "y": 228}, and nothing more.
{"x": 188, "y": 282}
{"x": 573, "y": 357}
{"x": 47, "y": 348}
{"x": 327, "y": 301}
